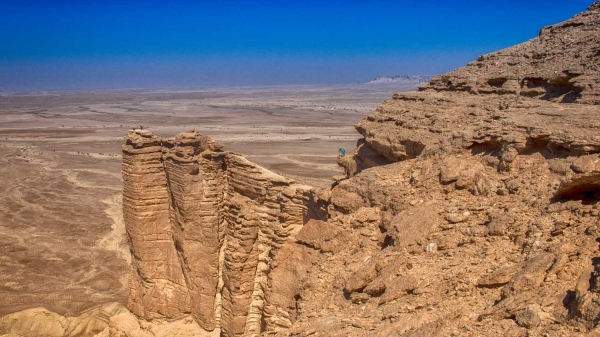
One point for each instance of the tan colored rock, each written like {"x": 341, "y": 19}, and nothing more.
{"x": 451, "y": 170}
{"x": 345, "y": 200}
{"x": 41, "y": 322}
{"x": 585, "y": 164}
{"x": 531, "y": 275}
{"x": 451, "y": 220}
{"x": 530, "y": 317}
{"x": 358, "y": 281}
{"x": 157, "y": 285}
{"x": 541, "y": 67}
{"x": 195, "y": 183}
{"x": 128, "y": 325}
{"x": 500, "y": 225}
{"x": 411, "y": 226}
{"x": 202, "y": 224}
{"x": 322, "y": 236}
{"x": 499, "y": 277}
{"x": 455, "y": 218}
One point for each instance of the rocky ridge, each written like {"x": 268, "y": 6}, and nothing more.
{"x": 201, "y": 224}
{"x": 561, "y": 64}
{"x": 469, "y": 208}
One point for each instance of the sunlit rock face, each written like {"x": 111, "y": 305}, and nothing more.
{"x": 203, "y": 226}
{"x": 470, "y": 207}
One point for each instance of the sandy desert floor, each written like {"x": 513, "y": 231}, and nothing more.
{"x": 62, "y": 243}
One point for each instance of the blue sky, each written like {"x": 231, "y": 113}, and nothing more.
{"x": 46, "y": 45}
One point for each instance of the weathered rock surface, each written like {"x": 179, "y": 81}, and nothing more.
{"x": 41, "y": 322}
{"x": 470, "y": 208}
{"x": 561, "y": 64}
{"x": 202, "y": 225}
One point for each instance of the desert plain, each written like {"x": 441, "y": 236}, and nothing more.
{"x": 470, "y": 207}
{"x": 62, "y": 237}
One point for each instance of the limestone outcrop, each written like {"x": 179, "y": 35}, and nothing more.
{"x": 469, "y": 208}
{"x": 202, "y": 225}
{"x": 561, "y": 64}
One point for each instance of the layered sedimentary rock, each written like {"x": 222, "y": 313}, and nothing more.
{"x": 561, "y": 64}
{"x": 486, "y": 105}
{"x": 202, "y": 224}
{"x": 486, "y": 183}
{"x": 469, "y": 208}
{"x": 195, "y": 183}
{"x": 156, "y": 271}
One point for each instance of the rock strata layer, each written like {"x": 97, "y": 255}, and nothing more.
{"x": 561, "y": 64}
{"x": 202, "y": 225}
{"x": 469, "y": 208}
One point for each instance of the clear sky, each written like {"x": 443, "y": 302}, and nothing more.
{"x": 49, "y": 45}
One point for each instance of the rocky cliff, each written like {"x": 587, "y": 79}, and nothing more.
{"x": 469, "y": 208}
{"x": 560, "y": 65}
{"x": 202, "y": 225}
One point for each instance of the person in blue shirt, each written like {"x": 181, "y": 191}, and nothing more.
{"x": 342, "y": 151}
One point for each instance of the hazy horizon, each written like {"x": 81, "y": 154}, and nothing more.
{"x": 62, "y": 45}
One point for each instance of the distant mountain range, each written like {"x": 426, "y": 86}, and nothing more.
{"x": 401, "y": 79}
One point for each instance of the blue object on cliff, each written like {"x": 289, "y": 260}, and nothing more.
{"x": 342, "y": 152}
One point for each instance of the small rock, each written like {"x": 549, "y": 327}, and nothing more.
{"x": 431, "y": 248}
{"x": 481, "y": 185}
{"x": 457, "y": 217}
{"x": 585, "y": 164}
{"x": 359, "y": 280}
{"x": 499, "y": 277}
{"x": 416, "y": 202}
{"x": 450, "y": 170}
{"x": 499, "y": 225}
{"x": 529, "y": 317}
{"x": 559, "y": 227}
{"x": 512, "y": 185}
{"x": 531, "y": 276}
{"x": 359, "y": 298}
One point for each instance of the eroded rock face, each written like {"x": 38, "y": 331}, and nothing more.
{"x": 485, "y": 106}
{"x": 156, "y": 271}
{"x": 487, "y": 186}
{"x": 42, "y": 322}
{"x": 561, "y": 64}
{"x": 202, "y": 225}
{"x": 469, "y": 208}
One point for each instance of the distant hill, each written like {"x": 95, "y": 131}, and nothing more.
{"x": 401, "y": 79}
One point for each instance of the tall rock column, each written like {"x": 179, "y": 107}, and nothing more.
{"x": 263, "y": 210}
{"x": 244, "y": 213}
{"x": 157, "y": 284}
{"x": 204, "y": 226}
{"x": 196, "y": 183}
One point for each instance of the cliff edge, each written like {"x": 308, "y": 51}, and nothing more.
{"x": 202, "y": 225}
{"x": 469, "y": 208}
